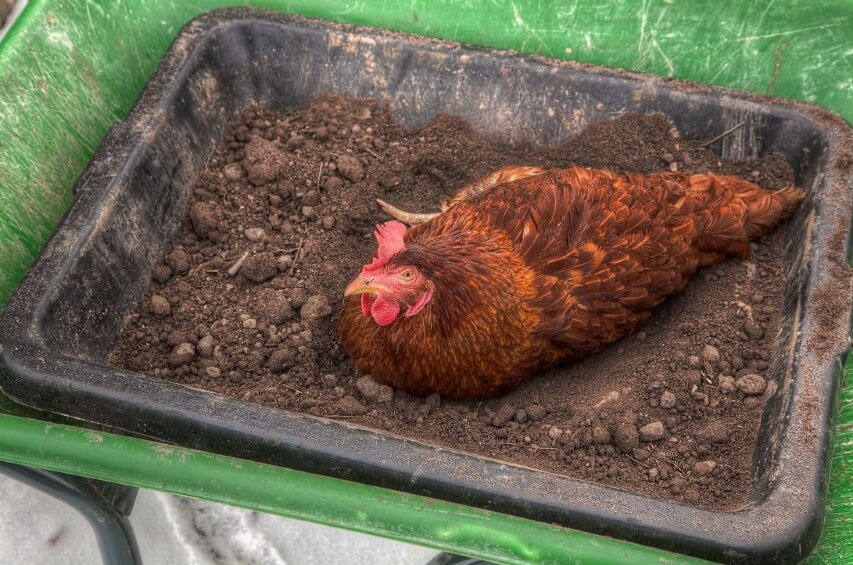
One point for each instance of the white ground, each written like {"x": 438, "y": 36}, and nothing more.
{"x": 35, "y": 529}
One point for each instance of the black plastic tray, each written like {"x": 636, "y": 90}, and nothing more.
{"x": 61, "y": 323}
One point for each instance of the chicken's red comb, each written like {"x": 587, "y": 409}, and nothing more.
{"x": 389, "y": 236}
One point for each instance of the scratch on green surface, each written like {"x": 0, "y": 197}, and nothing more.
{"x": 46, "y": 137}
{"x": 536, "y": 33}
{"x": 163, "y": 451}
{"x": 167, "y": 452}
{"x": 777, "y": 67}
{"x": 814, "y": 28}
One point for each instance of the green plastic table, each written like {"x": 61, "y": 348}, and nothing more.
{"x": 70, "y": 69}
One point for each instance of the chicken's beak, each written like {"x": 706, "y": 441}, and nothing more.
{"x": 364, "y": 286}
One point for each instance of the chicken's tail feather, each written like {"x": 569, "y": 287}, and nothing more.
{"x": 766, "y": 209}
{"x": 745, "y": 211}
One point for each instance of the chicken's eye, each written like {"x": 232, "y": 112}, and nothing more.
{"x": 407, "y": 275}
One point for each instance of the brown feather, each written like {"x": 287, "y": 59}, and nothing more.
{"x": 533, "y": 268}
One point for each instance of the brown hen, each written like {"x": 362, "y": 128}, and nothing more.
{"x": 528, "y": 268}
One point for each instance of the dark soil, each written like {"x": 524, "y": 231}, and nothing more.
{"x": 672, "y": 411}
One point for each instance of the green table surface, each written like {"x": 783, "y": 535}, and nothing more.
{"x": 69, "y": 69}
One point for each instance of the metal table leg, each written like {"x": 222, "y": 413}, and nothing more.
{"x": 105, "y": 506}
